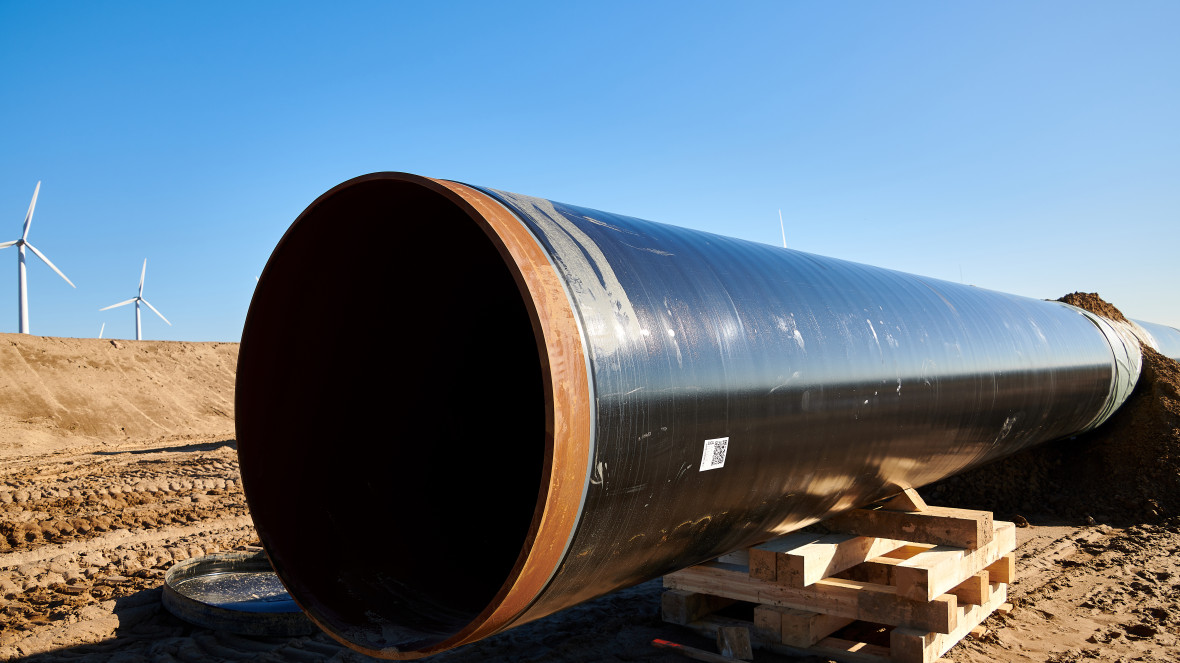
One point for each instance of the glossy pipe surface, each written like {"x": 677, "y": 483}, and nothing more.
{"x": 566, "y": 401}
{"x": 1162, "y": 338}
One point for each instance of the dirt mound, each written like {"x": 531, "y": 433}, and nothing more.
{"x": 1091, "y": 302}
{"x": 59, "y": 393}
{"x": 1125, "y": 471}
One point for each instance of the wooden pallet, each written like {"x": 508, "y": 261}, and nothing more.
{"x": 927, "y": 575}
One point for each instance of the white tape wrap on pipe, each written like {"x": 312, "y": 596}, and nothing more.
{"x": 1125, "y": 344}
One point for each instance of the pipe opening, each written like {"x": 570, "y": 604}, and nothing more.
{"x": 391, "y": 415}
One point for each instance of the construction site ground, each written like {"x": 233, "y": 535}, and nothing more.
{"x": 117, "y": 460}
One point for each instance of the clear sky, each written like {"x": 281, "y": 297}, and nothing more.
{"x": 1028, "y": 147}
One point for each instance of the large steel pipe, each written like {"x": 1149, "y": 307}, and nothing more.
{"x": 461, "y": 409}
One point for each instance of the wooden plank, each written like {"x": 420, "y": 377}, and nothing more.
{"x": 881, "y": 604}
{"x": 909, "y": 550}
{"x": 938, "y": 570}
{"x": 907, "y": 500}
{"x": 1004, "y": 570}
{"x": 846, "y": 651}
{"x": 973, "y": 590}
{"x": 915, "y": 646}
{"x": 681, "y": 607}
{"x": 877, "y": 570}
{"x": 716, "y": 579}
{"x": 798, "y": 628}
{"x": 940, "y": 525}
{"x": 825, "y": 556}
{"x": 762, "y": 559}
{"x": 841, "y": 598}
{"x": 768, "y": 623}
{"x": 734, "y": 642}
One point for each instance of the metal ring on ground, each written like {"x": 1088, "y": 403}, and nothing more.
{"x": 236, "y": 592}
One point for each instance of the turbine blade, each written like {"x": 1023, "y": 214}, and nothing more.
{"x": 129, "y": 301}
{"x": 51, "y": 265}
{"x": 142, "y": 274}
{"x": 29, "y": 214}
{"x": 153, "y": 308}
{"x": 5, "y": 245}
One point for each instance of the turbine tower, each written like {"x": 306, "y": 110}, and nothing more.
{"x": 137, "y": 299}
{"x": 23, "y": 292}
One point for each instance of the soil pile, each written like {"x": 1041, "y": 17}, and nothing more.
{"x": 59, "y": 393}
{"x": 1091, "y": 302}
{"x": 1125, "y": 471}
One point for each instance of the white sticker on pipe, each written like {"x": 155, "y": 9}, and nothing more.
{"x": 714, "y": 455}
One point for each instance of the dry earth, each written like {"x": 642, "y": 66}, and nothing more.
{"x": 118, "y": 461}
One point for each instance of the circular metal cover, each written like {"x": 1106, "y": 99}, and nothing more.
{"x": 236, "y": 592}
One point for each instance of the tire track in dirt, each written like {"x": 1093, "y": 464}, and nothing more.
{"x": 95, "y": 595}
{"x": 1096, "y": 593}
{"x": 85, "y": 538}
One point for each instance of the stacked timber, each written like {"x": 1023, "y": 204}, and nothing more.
{"x": 906, "y": 580}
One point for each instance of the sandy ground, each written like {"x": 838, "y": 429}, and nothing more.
{"x": 117, "y": 462}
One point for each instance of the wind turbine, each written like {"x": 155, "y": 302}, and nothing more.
{"x": 137, "y": 299}
{"x": 23, "y": 295}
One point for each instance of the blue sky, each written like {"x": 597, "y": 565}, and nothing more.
{"x": 1028, "y": 147}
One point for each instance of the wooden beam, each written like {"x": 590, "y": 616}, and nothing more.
{"x": 841, "y": 598}
{"x": 909, "y": 550}
{"x": 940, "y": 569}
{"x": 798, "y": 628}
{"x": 681, "y": 607}
{"x": 768, "y": 623}
{"x": 846, "y": 651}
{"x": 801, "y": 561}
{"x": 907, "y": 500}
{"x": 914, "y": 646}
{"x": 973, "y": 590}
{"x": 763, "y": 558}
{"x": 734, "y": 642}
{"x": 964, "y": 528}
{"x": 877, "y": 570}
{"x": 1004, "y": 570}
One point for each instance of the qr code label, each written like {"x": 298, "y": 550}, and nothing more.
{"x": 714, "y": 454}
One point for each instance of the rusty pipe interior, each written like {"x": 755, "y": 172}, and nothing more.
{"x": 351, "y": 438}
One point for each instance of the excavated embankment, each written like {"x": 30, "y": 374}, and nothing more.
{"x": 63, "y": 393}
